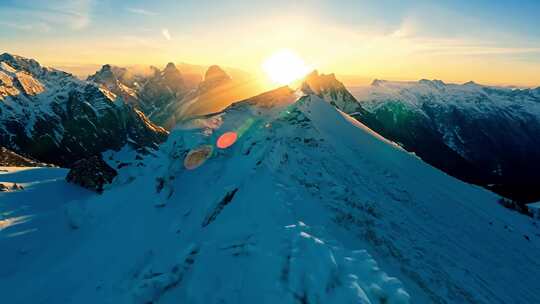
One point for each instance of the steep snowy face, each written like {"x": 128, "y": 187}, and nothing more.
{"x": 56, "y": 118}
{"x": 307, "y": 205}
{"x": 330, "y": 89}
{"x": 486, "y": 135}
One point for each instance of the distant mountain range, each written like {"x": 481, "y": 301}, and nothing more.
{"x": 168, "y": 96}
{"x": 481, "y": 134}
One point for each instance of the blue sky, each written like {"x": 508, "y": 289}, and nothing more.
{"x": 392, "y": 39}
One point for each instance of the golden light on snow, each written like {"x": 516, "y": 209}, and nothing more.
{"x": 284, "y": 67}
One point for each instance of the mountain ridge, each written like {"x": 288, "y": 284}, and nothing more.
{"x": 56, "y": 118}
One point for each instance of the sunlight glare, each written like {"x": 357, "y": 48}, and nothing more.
{"x": 284, "y": 67}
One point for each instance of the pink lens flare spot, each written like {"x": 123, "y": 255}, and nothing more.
{"x": 226, "y": 140}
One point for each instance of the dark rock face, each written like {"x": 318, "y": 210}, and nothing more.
{"x": 65, "y": 119}
{"x": 9, "y": 158}
{"x": 91, "y": 173}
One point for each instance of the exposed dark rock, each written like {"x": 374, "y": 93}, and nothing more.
{"x": 9, "y": 158}
{"x": 91, "y": 173}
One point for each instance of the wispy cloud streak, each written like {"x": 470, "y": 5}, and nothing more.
{"x": 166, "y": 34}
{"x": 141, "y": 11}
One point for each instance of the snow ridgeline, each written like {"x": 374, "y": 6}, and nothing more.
{"x": 307, "y": 206}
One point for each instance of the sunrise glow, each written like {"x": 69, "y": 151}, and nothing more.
{"x": 284, "y": 67}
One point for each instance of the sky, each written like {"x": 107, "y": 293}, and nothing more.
{"x": 491, "y": 42}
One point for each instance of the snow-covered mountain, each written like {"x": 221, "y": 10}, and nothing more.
{"x": 487, "y": 135}
{"x": 56, "y": 118}
{"x": 307, "y": 206}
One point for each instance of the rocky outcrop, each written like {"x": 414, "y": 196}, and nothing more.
{"x": 114, "y": 79}
{"x": 67, "y": 119}
{"x": 9, "y": 158}
{"x": 333, "y": 91}
{"x": 91, "y": 173}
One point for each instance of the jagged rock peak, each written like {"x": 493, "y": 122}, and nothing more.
{"x": 170, "y": 66}
{"x": 105, "y": 73}
{"x": 314, "y": 75}
{"x": 215, "y": 72}
{"x": 316, "y": 83}
{"x": 171, "y": 71}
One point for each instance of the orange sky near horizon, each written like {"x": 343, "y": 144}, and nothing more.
{"x": 429, "y": 42}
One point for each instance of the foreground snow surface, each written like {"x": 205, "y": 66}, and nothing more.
{"x": 308, "y": 206}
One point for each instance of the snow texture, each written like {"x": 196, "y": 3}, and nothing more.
{"x": 308, "y": 206}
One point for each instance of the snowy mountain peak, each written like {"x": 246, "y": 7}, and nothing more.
{"x": 319, "y": 82}
{"x": 332, "y": 90}
{"x": 20, "y": 63}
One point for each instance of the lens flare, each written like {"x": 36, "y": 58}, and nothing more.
{"x": 226, "y": 140}
{"x": 196, "y": 157}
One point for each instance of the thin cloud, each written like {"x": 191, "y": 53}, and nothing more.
{"x": 141, "y": 11}
{"x": 17, "y": 26}
{"x": 166, "y": 34}
{"x": 72, "y": 14}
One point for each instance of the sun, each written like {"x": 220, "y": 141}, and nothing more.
{"x": 284, "y": 67}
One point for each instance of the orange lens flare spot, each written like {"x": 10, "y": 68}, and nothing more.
{"x": 226, "y": 140}
{"x": 196, "y": 157}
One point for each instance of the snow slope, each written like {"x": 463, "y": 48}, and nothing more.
{"x": 308, "y": 206}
